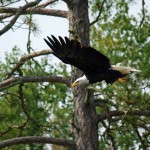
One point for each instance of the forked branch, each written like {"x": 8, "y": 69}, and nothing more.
{"x": 23, "y": 59}
{"x": 20, "y": 11}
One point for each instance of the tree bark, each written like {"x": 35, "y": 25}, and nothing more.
{"x": 84, "y": 123}
{"x": 37, "y": 139}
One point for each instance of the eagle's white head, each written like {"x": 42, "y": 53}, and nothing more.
{"x": 81, "y": 81}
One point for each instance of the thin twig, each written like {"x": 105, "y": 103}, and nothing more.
{"x": 143, "y": 14}
{"x": 22, "y": 102}
{"x": 47, "y": 3}
{"x": 25, "y": 58}
{"x": 99, "y": 14}
{"x": 21, "y": 10}
{"x": 4, "y": 5}
{"x": 140, "y": 138}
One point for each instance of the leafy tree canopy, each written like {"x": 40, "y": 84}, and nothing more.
{"x": 124, "y": 38}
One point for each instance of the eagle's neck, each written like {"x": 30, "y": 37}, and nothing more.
{"x": 83, "y": 80}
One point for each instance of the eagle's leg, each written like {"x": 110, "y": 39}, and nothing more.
{"x": 87, "y": 96}
{"x": 122, "y": 80}
{"x": 89, "y": 91}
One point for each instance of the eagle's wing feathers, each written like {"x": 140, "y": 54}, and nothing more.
{"x": 70, "y": 52}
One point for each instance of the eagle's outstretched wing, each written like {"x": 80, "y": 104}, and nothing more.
{"x": 70, "y": 52}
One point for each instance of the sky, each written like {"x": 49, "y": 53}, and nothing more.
{"x": 48, "y": 25}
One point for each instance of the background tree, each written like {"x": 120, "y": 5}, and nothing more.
{"x": 34, "y": 103}
{"x": 124, "y": 38}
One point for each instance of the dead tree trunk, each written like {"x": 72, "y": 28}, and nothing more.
{"x": 85, "y": 123}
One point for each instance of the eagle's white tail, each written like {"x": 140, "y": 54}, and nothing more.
{"x": 123, "y": 69}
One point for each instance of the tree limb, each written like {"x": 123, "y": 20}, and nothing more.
{"x": 37, "y": 139}
{"x": 47, "y": 3}
{"x": 22, "y": 102}
{"x": 100, "y": 102}
{"x": 139, "y": 136}
{"x": 99, "y": 14}
{"x": 20, "y": 11}
{"x": 37, "y": 10}
{"x": 23, "y": 59}
{"x": 9, "y": 128}
{"x": 25, "y": 79}
{"x": 6, "y": 16}
{"x": 4, "y": 4}
{"x": 143, "y": 13}
{"x": 68, "y": 2}
{"x": 116, "y": 113}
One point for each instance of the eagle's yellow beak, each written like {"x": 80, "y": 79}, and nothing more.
{"x": 74, "y": 84}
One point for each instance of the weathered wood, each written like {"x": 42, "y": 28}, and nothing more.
{"x": 85, "y": 123}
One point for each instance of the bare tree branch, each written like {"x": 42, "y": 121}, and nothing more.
{"x": 20, "y": 11}
{"x": 68, "y": 2}
{"x": 139, "y": 136}
{"x": 20, "y": 127}
{"x": 116, "y": 113}
{"x": 25, "y": 79}
{"x": 9, "y": 3}
{"x": 37, "y": 139}
{"x": 47, "y": 3}
{"x": 5, "y": 132}
{"x": 23, "y": 59}
{"x": 38, "y": 11}
{"x": 9, "y": 82}
{"x": 5, "y": 16}
{"x": 143, "y": 13}
{"x": 23, "y": 106}
{"x": 100, "y": 102}
{"x": 99, "y": 14}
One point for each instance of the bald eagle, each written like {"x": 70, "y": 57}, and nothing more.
{"x": 95, "y": 66}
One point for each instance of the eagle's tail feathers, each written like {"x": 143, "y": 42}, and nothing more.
{"x": 124, "y": 70}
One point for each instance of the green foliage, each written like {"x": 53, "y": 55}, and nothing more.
{"x": 119, "y": 36}
{"x": 45, "y": 109}
{"x": 31, "y": 23}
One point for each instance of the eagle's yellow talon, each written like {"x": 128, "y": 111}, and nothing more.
{"x": 122, "y": 80}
